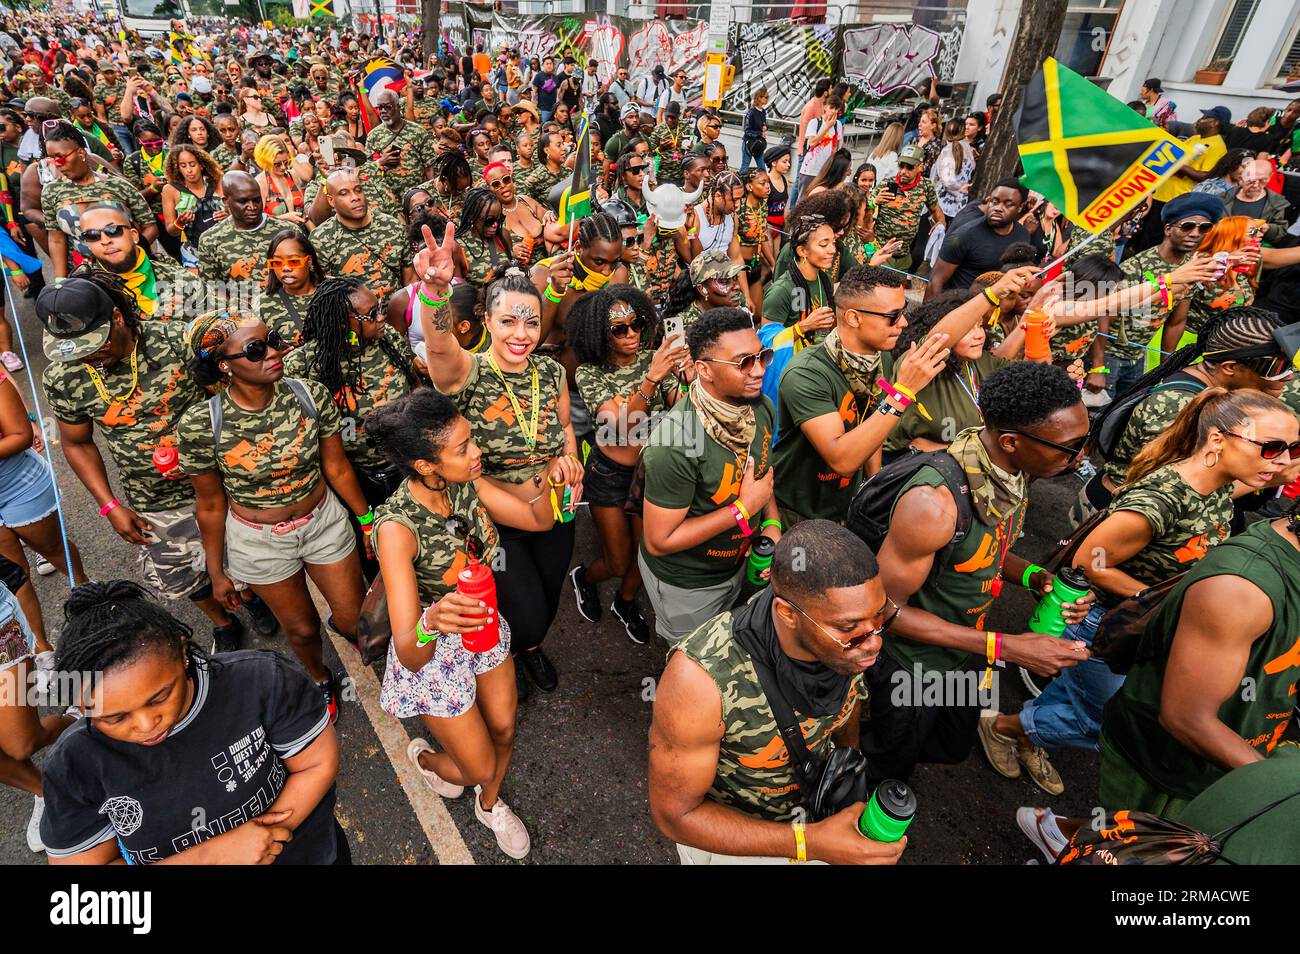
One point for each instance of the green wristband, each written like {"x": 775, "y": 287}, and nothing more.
{"x": 367, "y": 518}
{"x": 421, "y": 637}
{"x": 1030, "y": 571}
{"x": 767, "y": 523}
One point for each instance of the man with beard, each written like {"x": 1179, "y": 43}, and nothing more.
{"x": 902, "y": 201}
{"x": 404, "y": 151}
{"x": 362, "y": 243}
{"x": 272, "y": 88}
{"x": 630, "y": 116}
{"x": 1035, "y": 425}
{"x": 721, "y": 781}
{"x": 235, "y": 248}
{"x": 158, "y": 285}
{"x": 976, "y": 247}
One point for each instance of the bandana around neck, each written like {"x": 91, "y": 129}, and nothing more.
{"x": 730, "y": 425}
{"x": 142, "y": 283}
{"x": 861, "y": 370}
{"x": 995, "y": 492}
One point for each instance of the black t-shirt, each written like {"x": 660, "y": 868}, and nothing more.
{"x": 1253, "y": 209}
{"x": 1239, "y": 137}
{"x": 975, "y": 249}
{"x": 221, "y": 765}
{"x": 970, "y": 212}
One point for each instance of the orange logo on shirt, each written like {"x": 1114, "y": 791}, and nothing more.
{"x": 243, "y": 267}
{"x": 728, "y": 486}
{"x": 1194, "y": 549}
{"x": 452, "y": 574}
{"x": 1288, "y": 660}
{"x": 356, "y": 263}
{"x": 500, "y": 408}
{"x": 982, "y": 558}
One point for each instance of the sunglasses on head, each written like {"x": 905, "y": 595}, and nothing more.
{"x": 1272, "y": 450}
{"x": 288, "y": 261}
{"x": 622, "y": 329}
{"x": 113, "y": 230}
{"x": 256, "y": 349}
{"x": 746, "y": 362}
{"x": 458, "y": 527}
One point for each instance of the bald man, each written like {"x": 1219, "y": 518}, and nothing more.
{"x": 1253, "y": 198}
{"x": 405, "y": 150}
{"x": 235, "y": 248}
{"x": 361, "y": 242}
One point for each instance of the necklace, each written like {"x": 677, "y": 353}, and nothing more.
{"x": 969, "y": 385}
{"x": 529, "y": 432}
{"x": 135, "y": 379}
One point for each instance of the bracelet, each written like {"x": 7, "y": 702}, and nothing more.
{"x": 905, "y": 391}
{"x": 741, "y": 521}
{"x": 744, "y": 511}
{"x": 1030, "y": 570}
{"x": 423, "y": 638}
{"x": 551, "y": 296}
{"x": 693, "y": 233}
{"x": 800, "y": 843}
{"x": 431, "y": 302}
{"x": 111, "y": 505}
{"x": 993, "y": 299}
{"x": 1099, "y": 370}
{"x": 893, "y": 391}
{"x": 367, "y": 518}
{"x": 15, "y": 272}
{"x": 770, "y": 523}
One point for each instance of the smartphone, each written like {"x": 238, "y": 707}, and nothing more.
{"x": 675, "y": 326}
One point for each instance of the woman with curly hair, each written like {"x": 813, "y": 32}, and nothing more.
{"x": 266, "y": 458}
{"x": 293, "y": 274}
{"x": 194, "y": 130}
{"x": 192, "y": 199}
{"x": 623, "y": 381}
{"x": 282, "y": 194}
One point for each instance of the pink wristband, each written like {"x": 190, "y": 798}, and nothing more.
{"x": 103, "y": 511}
{"x": 893, "y": 392}
{"x": 740, "y": 520}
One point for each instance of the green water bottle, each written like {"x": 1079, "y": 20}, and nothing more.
{"x": 1071, "y": 586}
{"x": 760, "y": 558}
{"x": 889, "y": 812}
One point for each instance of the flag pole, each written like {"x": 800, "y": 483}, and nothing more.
{"x": 1068, "y": 253}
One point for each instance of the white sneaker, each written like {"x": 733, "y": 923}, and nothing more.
{"x": 435, "y": 781}
{"x": 512, "y": 836}
{"x": 1031, "y": 821}
{"x": 44, "y": 673}
{"x": 11, "y": 361}
{"x": 43, "y": 566}
{"x": 34, "y": 826}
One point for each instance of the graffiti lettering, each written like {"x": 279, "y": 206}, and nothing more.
{"x": 886, "y": 56}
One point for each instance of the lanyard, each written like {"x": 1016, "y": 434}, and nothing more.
{"x": 530, "y": 433}
{"x": 972, "y": 390}
{"x": 135, "y": 379}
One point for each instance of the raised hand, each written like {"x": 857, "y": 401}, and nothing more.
{"x": 435, "y": 263}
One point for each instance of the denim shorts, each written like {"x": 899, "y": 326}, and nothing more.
{"x": 26, "y": 490}
{"x": 16, "y": 639}
{"x": 605, "y": 482}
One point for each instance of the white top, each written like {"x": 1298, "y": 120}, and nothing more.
{"x": 886, "y": 165}
{"x": 815, "y": 159}
{"x": 948, "y": 178}
{"x": 714, "y": 236}
{"x": 649, "y": 89}
{"x": 670, "y": 95}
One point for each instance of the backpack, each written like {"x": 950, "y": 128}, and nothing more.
{"x": 871, "y": 510}
{"x": 218, "y": 414}
{"x": 1110, "y": 426}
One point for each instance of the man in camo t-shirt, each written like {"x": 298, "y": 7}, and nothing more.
{"x": 902, "y": 201}
{"x": 362, "y": 243}
{"x": 403, "y": 150}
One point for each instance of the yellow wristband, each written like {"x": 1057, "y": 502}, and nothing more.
{"x": 800, "y": 843}
{"x": 904, "y": 390}
{"x": 741, "y": 507}
{"x": 993, "y": 299}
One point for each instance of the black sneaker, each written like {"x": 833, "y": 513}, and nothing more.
{"x": 228, "y": 638}
{"x": 629, "y": 614}
{"x": 522, "y": 686}
{"x": 585, "y": 594}
{"x": 264, "y": 621}
{"x": 330, "y": 690}
{"x": 540, "y": 670}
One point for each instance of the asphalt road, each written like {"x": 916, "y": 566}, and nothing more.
{"x": 578, "y": 776}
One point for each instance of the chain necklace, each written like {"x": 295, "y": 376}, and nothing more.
{"x": 135, "y": 379}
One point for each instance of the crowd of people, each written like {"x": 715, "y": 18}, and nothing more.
{"x": 343, "y": 337}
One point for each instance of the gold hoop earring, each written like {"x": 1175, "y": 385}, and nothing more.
{"x": 1207, "y": 463}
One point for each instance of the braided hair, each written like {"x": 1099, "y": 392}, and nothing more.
{"x": 111, "y": 623}
{"x": 451, "y": 167}
{"x": 724, "y": 183}
{"x": 599, "y": 227}
{"x": 64, "y": 132}
{"x": 334, "y": 362}
{"x": 111, "y": 283}
{"x": 587, "y": 327}
{"x": 475, "y": 208}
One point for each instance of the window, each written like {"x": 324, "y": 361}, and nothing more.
{"x": 1234, "y": 28}
{"x": 152, "y": 9}
{"x": 1290, "y": 66}
{"x": 1085, "y": 34}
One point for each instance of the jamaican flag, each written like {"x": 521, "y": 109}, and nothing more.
{"x": 1087, "y": 152}
{"x": 575, "y": 201}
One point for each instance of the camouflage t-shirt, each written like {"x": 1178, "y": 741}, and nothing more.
{"x": 1185, "y": 524}
{"x": 417, "y": 153}
{"x": 1150, "y": 418}
{"x": 378, "y": 382}
{"x": 1135, "y": 329}
{"x": 140, "y": 173}
{"x": 134, "y": 424}
{"x": 223, "y": 155}
{"x": 753, "y": 773}
{"x": 538, "y": 182}
{"x": 439, "y": 556}
{"x": 498, "y": 430}
{"x": 110, "y": 97}
{"x": 267, "y": 458}
{"x": 899, "y": 213}
{"x": 230, "y": 254}
{"x": 285, "y": 313}
{"x": 1210, "y": 300}
{"x": 376, "y": 253}
{"x": 599, "y": 384}
{"x": 481, "y": 257}
{"x": 62, "y": 203}
{"x": 669, "y": 146}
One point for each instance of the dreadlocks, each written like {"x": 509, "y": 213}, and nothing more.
{"x": 336, "y": 362}
{"x": 449, "y": 168}
{"x": 475, "y": 209}
{"x": 109, "y": 623}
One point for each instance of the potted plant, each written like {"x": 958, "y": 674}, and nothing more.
{"x": 1214, "y": 74}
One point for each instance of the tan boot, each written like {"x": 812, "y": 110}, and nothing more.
{"x": 999, "y": 749}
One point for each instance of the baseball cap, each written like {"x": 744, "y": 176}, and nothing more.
{"x": 77, "y": 315}
{"x": 201, "y": 85}
{"x": 714, "y": 263}
{"x": 911, "y": 153}
{"x": 1221, "y": 113}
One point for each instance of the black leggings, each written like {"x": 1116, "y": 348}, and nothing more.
{"x": 530, "y": 581}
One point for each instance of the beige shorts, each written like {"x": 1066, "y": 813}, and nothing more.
{"x": 259, "y": 557}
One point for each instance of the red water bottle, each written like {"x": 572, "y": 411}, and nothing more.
{"x": 1245, "y": 268}
{"x": 476, "y": 582}
{"x": 167, "y": 460}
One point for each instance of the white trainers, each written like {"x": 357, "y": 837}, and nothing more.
{"x": 34, "y": 826}
{"x": 11, "y": 361}
{"x": 1046, "y": 837}
{"x": 435, "y": 781}
{"x": 43, "y": 566}
{"x": 512, "y": 836}
{"x": 43, "y": 675}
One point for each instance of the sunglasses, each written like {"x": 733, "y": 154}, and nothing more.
{"x": 497, "y": 220}
{"x": 1187, "y": 228}
{"x": 636, "y": 170}
{"x": 907, "y": 165}
{"x": 287, "y": 261}
{"x": 631, "y": 241}
{"x": 498, "y": 183}
{"x": 1073, "y": 450}
{"x": 256, "y": 349}
{"x": 372, "y": 316}
{"x": 1271, "y": 450}
{"x": 94, "y": 235}
{"x": 151, "y": 143}
{"x": 458, "y": 527}
{"x": 894, "y": 316}
{"x": 856, "y": 641}
{"x": 746, "y": 362}
{"x": 636, "y": 325}
{"x": 63, "y": 159}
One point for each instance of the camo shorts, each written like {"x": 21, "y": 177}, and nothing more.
{"x": 174, "y": 564}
